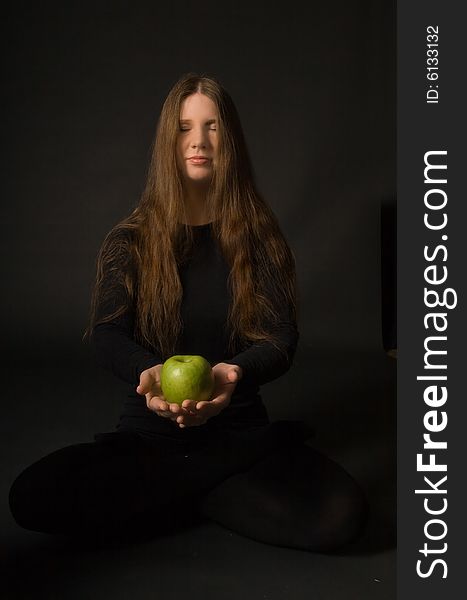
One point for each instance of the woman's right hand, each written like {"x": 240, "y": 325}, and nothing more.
{"x": 150, "y": 386}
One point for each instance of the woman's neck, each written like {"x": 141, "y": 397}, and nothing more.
{"x": 195, "y": 206}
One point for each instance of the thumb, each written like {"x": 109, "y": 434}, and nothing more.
{"x": 144, "y": 383}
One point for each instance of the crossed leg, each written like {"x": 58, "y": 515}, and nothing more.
{"x": 290, "y": 496}
{"x": 295, "y": 497}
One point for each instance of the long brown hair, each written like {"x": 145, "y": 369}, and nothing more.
{"x": 153, "y": 240}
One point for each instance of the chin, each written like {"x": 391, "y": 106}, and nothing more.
{"x": 199, "y": 178}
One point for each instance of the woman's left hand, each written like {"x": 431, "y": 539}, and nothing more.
{"x": 197, "y": 413}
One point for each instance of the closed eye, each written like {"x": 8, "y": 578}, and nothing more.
{"x": 212, "y": 128}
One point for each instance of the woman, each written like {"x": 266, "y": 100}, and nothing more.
{"x": 199, "y": 267}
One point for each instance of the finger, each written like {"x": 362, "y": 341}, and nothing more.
{"x": 191, "y": 424}
{"x": 161, "y": 413}
{"x": 180, "y": 410}
{"x": 189, "y": 405}
{"x": 144, "y": 384}
{"x": 177, "y": 410}
{"x": 161, "y": 404}
{"x": 213, "y": 406}
{"x": 166, "y": 414}
{"x": 157, "y": 403}
{"x": 190, "y": 421}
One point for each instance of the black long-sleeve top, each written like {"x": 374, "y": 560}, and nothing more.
{"x": 204, "y": 310}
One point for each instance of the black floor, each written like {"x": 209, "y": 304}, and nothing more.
{"x": 351, "y": 404}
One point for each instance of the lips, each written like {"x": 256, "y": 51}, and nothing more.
{"x": 198, "y": 160}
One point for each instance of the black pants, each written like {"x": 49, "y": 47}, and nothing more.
{"x": 264, "y": 483}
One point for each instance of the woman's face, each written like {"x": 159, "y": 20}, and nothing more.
{"x": 197, "y": 139}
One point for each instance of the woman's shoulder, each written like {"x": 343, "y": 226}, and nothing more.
{"x": 122, "y": 235}
{"x": 119, "y": 248}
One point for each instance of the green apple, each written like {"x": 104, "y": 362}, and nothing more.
{"x": 186, "y": 377}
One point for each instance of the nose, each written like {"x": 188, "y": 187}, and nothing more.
{"x": 199, "y": 139}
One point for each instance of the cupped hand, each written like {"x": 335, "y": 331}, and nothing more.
{"x": 150, "y": 387}
{"x": 226, "y": 378}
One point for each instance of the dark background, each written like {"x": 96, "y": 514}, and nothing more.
{"x": 83, "y": 85}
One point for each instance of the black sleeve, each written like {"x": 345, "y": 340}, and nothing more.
{"x": 264, "y": 361}
{"x": 113, "y": 342}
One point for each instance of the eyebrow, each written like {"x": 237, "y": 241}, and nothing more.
{"x": 208, "y": 122}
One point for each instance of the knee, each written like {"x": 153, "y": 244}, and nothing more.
{"x": 29, "y": 503}
{"x": 343, "y": 520}
{"x": 20, "y": 499}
